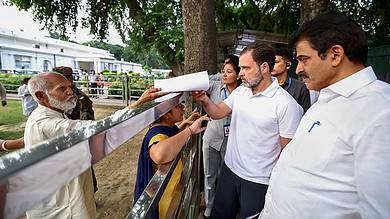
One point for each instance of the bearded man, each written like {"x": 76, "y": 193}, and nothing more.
{"x": 54, "y": 95}
{"x": 264, "y": 118}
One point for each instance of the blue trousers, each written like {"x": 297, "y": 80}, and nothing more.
{"x": 235, "y": 194}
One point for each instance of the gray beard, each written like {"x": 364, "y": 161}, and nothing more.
{"x": 254, "y": 82}
{"x": 66, "y": 106}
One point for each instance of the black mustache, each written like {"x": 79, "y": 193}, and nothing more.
{"x": 301, "y": 73}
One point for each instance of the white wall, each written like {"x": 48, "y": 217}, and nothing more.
{"x": 56, "y": 53}
{"x": 37, "y": 60}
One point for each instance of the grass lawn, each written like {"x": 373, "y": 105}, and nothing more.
{"x": 11, "y": 117}
{"x": 12, "y": 113}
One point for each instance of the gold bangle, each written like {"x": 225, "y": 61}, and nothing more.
{"x": 3, "y": 146}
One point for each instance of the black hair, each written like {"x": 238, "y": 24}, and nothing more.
{"x": 233, "y": 60}
{"x": 334, "y": 28}
{"x": 261, "y": 52}
{"x": 282, "y": 50}
{"x": 231, "y": 57}
{"x": 25, "y": 80}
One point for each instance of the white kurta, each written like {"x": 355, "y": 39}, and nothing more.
{"x": 69, "y": 200}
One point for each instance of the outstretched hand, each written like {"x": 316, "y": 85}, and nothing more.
{"x": 187, "y": 122}
{"x": 199, "y": 95}
{"x": 148, "y": 95}
{"x": 196, "y": 126}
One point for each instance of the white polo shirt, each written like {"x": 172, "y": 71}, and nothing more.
{"x": 338, "y": 163}
{"x": 257, "y": 123}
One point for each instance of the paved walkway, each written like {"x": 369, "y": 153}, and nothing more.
{"x": 96, "y": 101}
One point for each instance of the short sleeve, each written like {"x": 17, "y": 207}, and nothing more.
{"x": 215, "y": 77}
{"x": 289, "y": 116}
{"x": 229, "y": 101}
{"x": 157, "y": 138}
{"x": 214, "y": 81}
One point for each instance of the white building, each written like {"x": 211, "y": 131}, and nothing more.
{"x": 122, "y": 66}
{"x": 20, "y": 50}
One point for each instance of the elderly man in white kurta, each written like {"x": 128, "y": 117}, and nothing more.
{"x": 53, "y": 92}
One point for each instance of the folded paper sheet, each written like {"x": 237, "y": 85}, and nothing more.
{"x": 189, "y": 82}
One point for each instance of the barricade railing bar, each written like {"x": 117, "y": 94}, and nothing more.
{"x": 186, "y": 203}
{"x": 122, "y": 87}
{"x": 27, "y": 180}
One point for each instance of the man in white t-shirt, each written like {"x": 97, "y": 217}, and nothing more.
{"x": 264, "y": 119}
{"x": 337, "y": 166}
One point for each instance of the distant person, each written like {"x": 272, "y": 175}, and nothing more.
{"x": 337, "y": 165}
{"x": 100, "y": 84}
{"x": 264, "y": 119}
{"x": 160, "y": 146}
{"x": 93, "y": 83}
{"x": 80, "y": 74}
{"x": 3, "y": 95}
{"x": 217, "y": 131}
{"x": 295, "y": 88}
{"x": 28, "y": 102}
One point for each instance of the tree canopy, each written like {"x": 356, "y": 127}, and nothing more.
{"x": 150, "y": 58}
{"x": 158, "y": 24}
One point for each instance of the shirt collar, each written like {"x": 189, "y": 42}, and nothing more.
{"x": 270, "y": 90}
{"x": 354, "y": 82}
{"x": 286, "y": 82}
{"x": 42, "y": 108}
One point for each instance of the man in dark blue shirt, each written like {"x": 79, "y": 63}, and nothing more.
{"x": 295, "y": 88}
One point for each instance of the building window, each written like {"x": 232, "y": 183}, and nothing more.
{"x": 36, "y": 46}
{"x": 22, "y": 62}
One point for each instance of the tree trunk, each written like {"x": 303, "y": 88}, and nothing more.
{"x": 200, "y": 45}
{"x": 311, "y": 8}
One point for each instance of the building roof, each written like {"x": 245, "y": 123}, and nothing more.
{"x": 42, "y": 40}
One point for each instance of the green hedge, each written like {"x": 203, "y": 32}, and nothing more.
{"x": 11, "y": 82}
{"x": 137, "y": 84}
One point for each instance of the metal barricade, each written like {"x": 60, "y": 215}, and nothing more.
{"x": 22, "y": 168}
{"x": 186, "y": 202}
{"x": 122, "y": 87}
